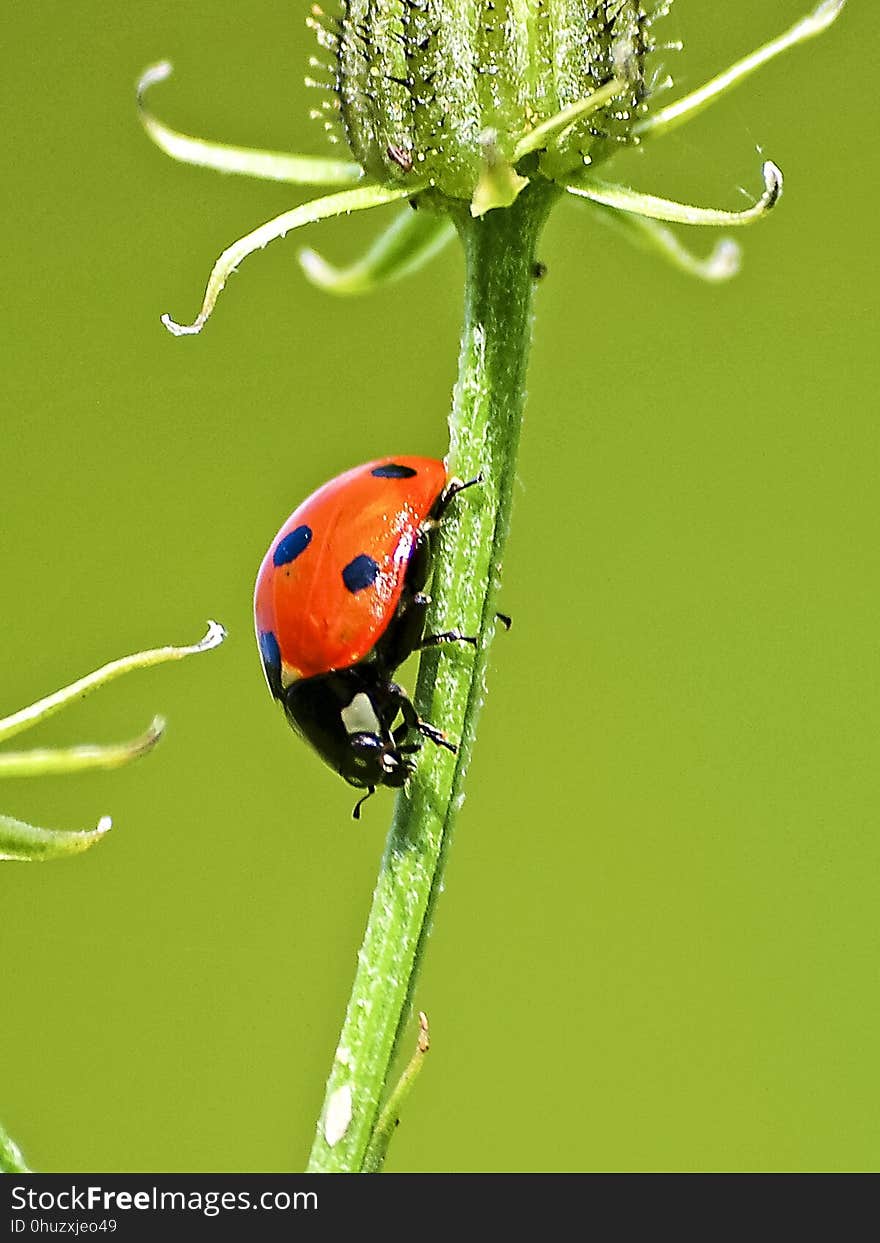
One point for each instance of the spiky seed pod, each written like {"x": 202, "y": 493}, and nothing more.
{"x": 429, "y": 90}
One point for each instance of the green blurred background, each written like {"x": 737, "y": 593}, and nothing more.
{"x": 658, "y": 946}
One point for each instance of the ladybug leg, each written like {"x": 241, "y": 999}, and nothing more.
{"x": 412, "y": 720}
{"x": 446, "y": 636}
{"x": 418, "y": 568}
{"x": 455, "y": 636}
{"x": 451, "y": 492}
{"x": 436, "y": 736}
{"x": 404, "y": 635}
{"x": 401, "y": 746}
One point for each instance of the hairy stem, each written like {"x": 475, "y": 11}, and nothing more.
{"x": 484, "y": 424}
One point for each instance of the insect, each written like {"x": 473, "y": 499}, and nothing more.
{"x": 339, "y": 604}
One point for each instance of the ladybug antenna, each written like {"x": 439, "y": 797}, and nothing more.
{"x": 356, "y": 814}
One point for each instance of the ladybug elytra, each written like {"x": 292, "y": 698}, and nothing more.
{"x": 339, "y": 605}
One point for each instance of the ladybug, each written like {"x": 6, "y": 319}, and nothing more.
{"x": 339, "y": 605}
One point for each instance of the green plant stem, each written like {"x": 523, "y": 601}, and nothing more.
{"x": 484, "y": 425}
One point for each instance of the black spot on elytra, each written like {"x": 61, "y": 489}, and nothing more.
{"x": 294, "y": 543}
{"x": 360, "y": 573}
{"x": 393, "y": 470}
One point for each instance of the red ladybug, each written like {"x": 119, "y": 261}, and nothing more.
{"x": 339, "y": 605}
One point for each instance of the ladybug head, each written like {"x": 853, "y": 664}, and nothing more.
{"x": 374, "y": 761}
{"x": 347, "y": 716}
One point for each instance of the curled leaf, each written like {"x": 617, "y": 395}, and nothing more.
{"x": 43, "y": 761}
{"x": 688, "y": 106}
{"x": 29, "y": 843}
{"x": 624, "y": 199}
{"x": 309, "y": 213}
{"x": 26, "y": 843}
{"x": 300, "y": 170}
{"x": 413, "y": 239}
{"x": 721, "y": 264}
{"x": 47, "y": 707}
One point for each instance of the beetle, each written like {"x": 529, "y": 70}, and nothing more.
{"x": 339, "y": 605}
